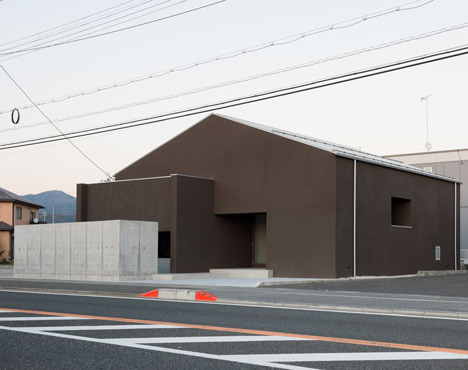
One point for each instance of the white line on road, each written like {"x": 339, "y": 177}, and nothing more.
{"x": 42, "y": 318}
{"x": 278, "y": 361}
{"x": 351, "y": 295}
{"x": 209, "y": 339}
{"x": 351, "y": 356}
{"x": 101, "y": 327}
{"x": 348, "y": 310}
{"x": 151, "y": 348}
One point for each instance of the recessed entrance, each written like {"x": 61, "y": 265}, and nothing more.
{"x": 164, "y": 244}
{"x": 259, "y": 247}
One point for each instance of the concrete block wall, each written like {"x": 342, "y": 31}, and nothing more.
{"x": 115, "y": 250}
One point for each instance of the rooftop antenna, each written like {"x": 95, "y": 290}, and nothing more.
{"x": 428, "y": 145}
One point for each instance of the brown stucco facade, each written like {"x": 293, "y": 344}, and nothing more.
{"x": 325, "y": 214}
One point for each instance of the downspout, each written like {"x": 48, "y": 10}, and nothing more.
{"x": 12, "y": 236}
{"x": 354, "y": 219}
{"x": 455, "y": 238}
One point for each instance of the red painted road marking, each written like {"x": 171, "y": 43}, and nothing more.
{"x": 200, "y": 295}
{"x": 254, "y": 332}
{"x": 152, "y": 294}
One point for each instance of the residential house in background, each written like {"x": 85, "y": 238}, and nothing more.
{"x": 452, "y": 163}
{"x": 228, "y": 193}
{"x": 14, "y": 210}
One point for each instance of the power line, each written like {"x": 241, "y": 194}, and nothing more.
{"x": 113, "y": 31}
{"x": 43, "y": 34}
{"x": 61, "y": 133}
{"x": 106, "y": 22}
{"x": 330, "y": 81}
{"x": 277, "y": 42}
{"x": 246, "y": 79}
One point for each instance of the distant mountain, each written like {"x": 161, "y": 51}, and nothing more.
{"x": 64, "y": 206}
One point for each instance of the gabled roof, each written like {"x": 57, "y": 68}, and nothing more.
{"x": 340, "y": 150}
{"x": 336, "y": 149}
{"x": 8, "y": 196}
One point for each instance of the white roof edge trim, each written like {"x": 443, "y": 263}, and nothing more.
{"x": 333, "y": 148}
{"x": 342, "y": 150}
{"x": 193, "y": 177}
{"x": 319, "y": 143}
{"x": 126, "y": 180}
{"x": 397, "y": 166}
{"x": 431, "y": 152}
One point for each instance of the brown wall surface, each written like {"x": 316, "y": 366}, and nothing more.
{"x": 6, "y": 212}
{"x": 257, "y": 172}
{"x": 142, "y": 200}
{"x": 344, "y": 217}
{"x": 5, "y": 244}
{"x": 25, "y": 214}
{"x": 201, "y": 240}
{"x": 306, "y": 193}
{"x": 386, "y": 250}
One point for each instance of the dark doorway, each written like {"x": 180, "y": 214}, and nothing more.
{"x": 164, "y": 244}
{"x": 259, "y": 245}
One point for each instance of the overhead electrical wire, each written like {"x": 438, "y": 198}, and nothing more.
{"x": 72, "y": 24}
{"x": 80, "y": 32}
{"x": 246, "y": 79}
{"x": 113, "y": 31}
{"x": 272, "y": 94}
{"x": 62, "y": 135}
{"x": 251, "y": 49}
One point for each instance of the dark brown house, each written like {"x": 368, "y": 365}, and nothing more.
{"x": 229, "y": 193}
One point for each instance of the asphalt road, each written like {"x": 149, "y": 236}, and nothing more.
{"x": 446, "y": 294}
{"x": 193, "y": 335}
{"x": 449, "y": 285}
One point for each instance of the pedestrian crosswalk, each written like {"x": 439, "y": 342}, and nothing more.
{"x": 272, "y": 350}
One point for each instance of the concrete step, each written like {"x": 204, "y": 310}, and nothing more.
{"x": 245, "y": 273}
{"x": 190, "y": 276}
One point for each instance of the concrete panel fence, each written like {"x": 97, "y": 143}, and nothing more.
{"x": 105, "y": 250}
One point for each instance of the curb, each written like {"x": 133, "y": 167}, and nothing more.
{"x": 442, "y": 272}
{"x": 204, "y": 296}
{"x": 180, "y": 294}
{"x": 378, "y": 311}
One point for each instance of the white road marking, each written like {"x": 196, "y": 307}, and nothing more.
{"x": 265, "y": 305}
{"x": 352, "y": 295}
{"x": 101, "y": 327}
{"x": 42, "y": 318}
{"x": 277, "y": 361}
{"x": 209, "y": 339}
{"x": 353, "y": 356}
{"x": 151, "y": 348}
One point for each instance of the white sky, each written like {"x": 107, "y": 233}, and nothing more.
{"x": 382, "y": 115}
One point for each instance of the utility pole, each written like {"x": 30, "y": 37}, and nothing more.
{"x": 428, "y": 145}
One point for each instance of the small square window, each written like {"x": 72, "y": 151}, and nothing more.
{"x": 401, "y": 212}
{"x": 19, "y": 213}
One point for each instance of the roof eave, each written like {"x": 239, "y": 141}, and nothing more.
{"x": 395, "y": 166}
